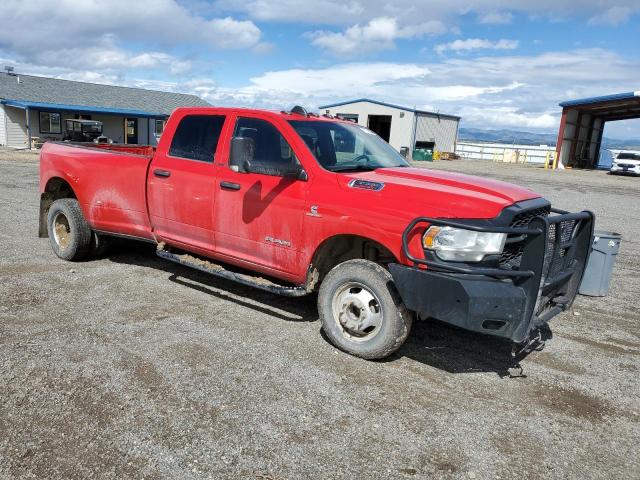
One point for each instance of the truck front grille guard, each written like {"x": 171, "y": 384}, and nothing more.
{"x": 555, "y": 257}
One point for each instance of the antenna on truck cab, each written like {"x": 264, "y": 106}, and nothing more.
{"x": 298, "y": 110}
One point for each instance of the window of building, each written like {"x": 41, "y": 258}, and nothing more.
{"x": 349, "y": 116}
{"x": 196, "y": 137}
{"x": 50, "y": 122}
{"x": 159, "y": 127}
{"x": 272, "y": 153}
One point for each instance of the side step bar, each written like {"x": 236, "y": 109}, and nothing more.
{"x": 219, "y": 271}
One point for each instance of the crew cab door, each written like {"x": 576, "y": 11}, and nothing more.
{"x": 181, "y": 182}
{"x": 259, "y": 211}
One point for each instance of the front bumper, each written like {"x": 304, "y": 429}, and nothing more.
{"x": 506, "y": 302}
{"x": 626, "y": 169}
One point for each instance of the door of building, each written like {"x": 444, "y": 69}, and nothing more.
{"x": 381, "y": 124}
{"x": 131, "y": 130}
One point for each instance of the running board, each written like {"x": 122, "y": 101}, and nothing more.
{"x": 219, "y": 271}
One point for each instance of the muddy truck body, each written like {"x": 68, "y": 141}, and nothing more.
{"x": 295, "y": 203}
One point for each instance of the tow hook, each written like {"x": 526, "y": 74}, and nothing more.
{"x": 534, "y": 343}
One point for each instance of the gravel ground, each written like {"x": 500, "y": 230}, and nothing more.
{"x": 132, "y": 367}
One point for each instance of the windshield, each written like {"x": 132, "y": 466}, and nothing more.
{"x": 341, "y": 147}
{"x": 92, "y": 128}
{"x": 628, "y": 156}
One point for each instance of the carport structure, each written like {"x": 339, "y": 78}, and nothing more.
{"x": 582, "y": 125}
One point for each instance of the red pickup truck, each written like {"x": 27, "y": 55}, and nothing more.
{"x": 294, "y": 203}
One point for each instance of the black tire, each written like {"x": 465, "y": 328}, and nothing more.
{"x": 73, "y": 238}
{"x": 396, "y": 320}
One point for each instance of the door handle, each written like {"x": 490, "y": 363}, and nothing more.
{"x": 230, "y": 186}
{"x": 162, "y": 173}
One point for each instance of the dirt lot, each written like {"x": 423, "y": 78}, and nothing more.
{"x": 131, "y": 367}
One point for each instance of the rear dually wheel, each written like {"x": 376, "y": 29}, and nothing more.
{"x": 69, "y": 232}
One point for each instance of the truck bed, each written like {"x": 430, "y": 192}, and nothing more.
{"x": 109, "y": 181}
{"x": 144, "y": 150}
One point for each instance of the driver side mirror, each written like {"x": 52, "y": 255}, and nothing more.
{"x": 296, "y": 173}
{"x": 242, "y": 153}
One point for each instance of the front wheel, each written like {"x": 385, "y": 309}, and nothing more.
{"x": 361, "y": 311}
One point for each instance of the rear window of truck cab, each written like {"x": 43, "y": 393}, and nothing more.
{"x": 196, "y": 137}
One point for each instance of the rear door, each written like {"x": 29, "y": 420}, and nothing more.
{"x": 181, "y": 182}
{"x": 259, "y": 216}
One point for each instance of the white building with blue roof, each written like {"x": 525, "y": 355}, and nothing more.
{"x": 33, "y": 109}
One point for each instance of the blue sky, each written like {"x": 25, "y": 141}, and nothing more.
{"x": 497, "y": 64}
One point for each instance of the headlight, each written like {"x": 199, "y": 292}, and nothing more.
{"x": 456, "y": 244}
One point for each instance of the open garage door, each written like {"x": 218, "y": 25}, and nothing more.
{"x": 582, "y": 125}
{"x": 381, "y": 124}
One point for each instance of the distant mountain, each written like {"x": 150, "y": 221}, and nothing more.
{"x": 530, "y": 138}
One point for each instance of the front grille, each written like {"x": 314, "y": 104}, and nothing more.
{"x": 556, "y": 263}
{"x": 523, "y": 218}
{"x": 554, "y": 260}
{"x": 512, "y": 253}
{"x": 626, "y": 165}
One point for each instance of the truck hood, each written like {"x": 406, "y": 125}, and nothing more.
{"x": 441, "y": 194}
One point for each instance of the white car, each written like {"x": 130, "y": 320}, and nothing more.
{"x": 627, "y": 163}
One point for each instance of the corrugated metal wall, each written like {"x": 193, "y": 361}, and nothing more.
{"x": 441, "y": 130}
{"x": 3, "y": 127}
{"x": 581, "y": 140}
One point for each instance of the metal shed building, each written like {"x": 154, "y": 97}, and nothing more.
{"x": 582, "y": 125}
{"x": 402, "y": 127}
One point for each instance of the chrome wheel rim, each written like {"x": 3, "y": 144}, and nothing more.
{"x": 357, "y": 312}
{"x": 61, "y": 231}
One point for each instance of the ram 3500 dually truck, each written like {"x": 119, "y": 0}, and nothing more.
{"x": 293, "y": 203}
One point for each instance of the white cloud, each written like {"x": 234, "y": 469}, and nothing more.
{"x": 488, "y": 92}
{"x": 107, "y": 58}
{"x": 408, "y": 12}
{"x": 461, "y": 92}
{"x": 158, "y": 21}
{"x": 613, "y": 16}
{"x": 517, "y": 91}
{"x": 496, "y": 18}
{"x": 379, "y": 34}
{"x": 115, "y": 59}
{"x": 227, "y": 33}
{"x": 264, "y": 48}
{"x": 511, "y": 117}
{"x": 88, "y": 41}
{"x": 91, "y": 35}
{"x": 476, "y": 44}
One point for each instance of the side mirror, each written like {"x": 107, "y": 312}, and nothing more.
{"x": 295, "y": 172}
{"x": 242, "y": 153}
{"x": 300, "y": 174}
